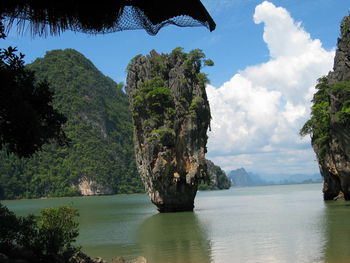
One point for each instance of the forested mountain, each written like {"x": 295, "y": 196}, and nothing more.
{"x": 240, "y": 177}
{"x": 100, "y": 158}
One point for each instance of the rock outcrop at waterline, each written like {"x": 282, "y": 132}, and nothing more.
{"x": 218, "y": 179}
{"x": 330, "y": 122}
{"x": 171, "y": 116}
{"x": 337, "y": 162}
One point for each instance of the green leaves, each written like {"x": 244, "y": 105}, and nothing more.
{"x": 27, "y": 117}
{"x": 155, "y": 105}
{"x": 50, "y": 236}
{"x": 153, "y": 100}
{"x": 319, "y": 126}
{"x": 208, "y": 62}
{"x": 58, "y": 229}
{"x": 341, "y": 90}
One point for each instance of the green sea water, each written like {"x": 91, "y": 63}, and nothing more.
{"x": 288, "y": 223}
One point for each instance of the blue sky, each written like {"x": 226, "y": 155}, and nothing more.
{"x": 259, "y": 97}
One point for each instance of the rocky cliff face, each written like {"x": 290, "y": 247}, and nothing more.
{"x": 218, "y": 178}
{"x": 89, "y": 187}
{"x": 171, "y": 116}
{"x": 212, "y": 173}
{"x": 334, "y": 159}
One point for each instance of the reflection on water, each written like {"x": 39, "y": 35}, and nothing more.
{"x": 272, "y": 224}
{"x": 337, "y": 249}
{"x": 174, "y": 238}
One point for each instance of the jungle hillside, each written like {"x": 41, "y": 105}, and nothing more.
{"x": 100, "y": 154}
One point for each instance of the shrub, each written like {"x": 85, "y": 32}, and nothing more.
{"x": 49, "y": 236}
{"x": 9, "y": 225}
{"x": 58, "y": 229}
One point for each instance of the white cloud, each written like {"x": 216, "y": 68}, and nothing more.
{"x": 261, "y": 109}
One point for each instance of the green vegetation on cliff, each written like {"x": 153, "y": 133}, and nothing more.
{"x": 330, "y": 121}
{"x": 98, "y": 126}
{"x": 319, "y": 126}
{"x": 154, "y": 102}
{"x": 342, "y": 90}
{"x": 171, "y": 116}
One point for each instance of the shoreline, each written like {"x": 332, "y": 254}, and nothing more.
{"x": 101, "y": 195}
{"x": 74, "y": 196}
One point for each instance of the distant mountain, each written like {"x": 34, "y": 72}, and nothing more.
{"x": 240, "y": 177}
{"x": 302, "y": 178}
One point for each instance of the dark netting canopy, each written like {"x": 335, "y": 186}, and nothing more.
{"x": 103, "y": 16}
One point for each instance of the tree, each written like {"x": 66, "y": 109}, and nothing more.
{"x": 27, "y": 117}
{"x": 49, "y": 236}
{"x": 57, "y": 230}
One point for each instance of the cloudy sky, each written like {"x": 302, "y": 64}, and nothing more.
{"x": 268, "y": 56}
{"x": 258, "y": 112}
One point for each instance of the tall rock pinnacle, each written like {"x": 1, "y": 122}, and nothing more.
{"x": 171, "y": 116}
{"x": 330, "y": 122}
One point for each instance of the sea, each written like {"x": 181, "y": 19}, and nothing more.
{"x": 278, "y": 223}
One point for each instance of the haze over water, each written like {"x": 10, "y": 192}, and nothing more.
{"x": 288, "y": 223}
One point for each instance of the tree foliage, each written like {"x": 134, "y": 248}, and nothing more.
{"x": 342, "y": 90}
{"x": 154, "y": 102}
{"x": 58, "y": 229}
{"x": 319, "y": 125}
{"x": 194, "y": 62}
{"x": 50, "y": 236}
{"x": 27, "y": 118}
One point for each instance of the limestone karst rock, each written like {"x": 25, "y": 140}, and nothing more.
{"x": 329, "y": 126}
{"x": 218, "y": 179}
{"x": 171, "y": 116}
